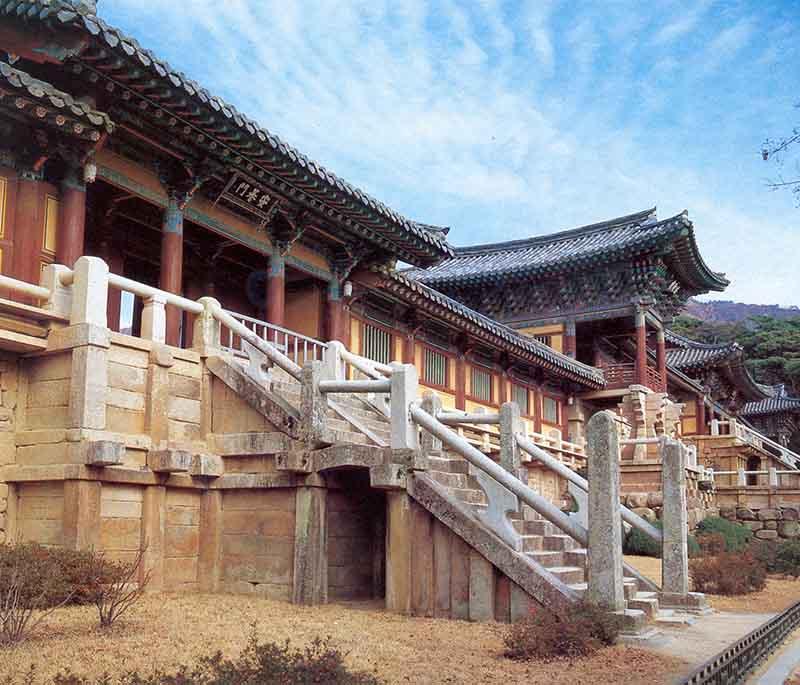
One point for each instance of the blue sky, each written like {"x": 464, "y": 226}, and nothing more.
{"x": 510, "y": 119}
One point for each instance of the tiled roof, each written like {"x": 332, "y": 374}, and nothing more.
{"x": 545, "y": 356}
{"x": 328, "y": 189}
{"x": 772, "y": 405}
{"x": 609, "y": 241}
{"x": 47, "y": 102}
{"x": 690, "y": 356}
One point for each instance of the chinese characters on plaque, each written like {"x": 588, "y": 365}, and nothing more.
{"x": 251, "y": 196}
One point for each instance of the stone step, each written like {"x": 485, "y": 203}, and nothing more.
{"x": 334, "y": 436}
{"x": 633, "y": 620}
{"x": 532, "y": 543}
{"x": 548, "y": 559}
{"x": 451, "y": 480}
{"x": 649, "y": 605}
{"x": 445, "y": 465}
{"x": 556, "y": 543}
{"x": 568, "y": 575}
{"x": 468, "y": 495}
{"x": 575, "y": 557}
{"x": 540, "y": 527}
{"x": 630, "y": 587}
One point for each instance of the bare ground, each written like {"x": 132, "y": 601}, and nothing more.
{"x": 166, "y": 630}
{"x": 779, "y": 593}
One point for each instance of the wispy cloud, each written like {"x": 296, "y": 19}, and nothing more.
{"x": 504, "y": 119}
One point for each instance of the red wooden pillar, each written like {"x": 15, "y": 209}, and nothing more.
{"x": 503, "y": 387}
{"x": 71, "y": 219}
{"x": 461, "y": 382}
{"x": 409, "y": 348}
{"x": 115, "y": 258}
{"x": 570, "y": 341}
{"x": 702, "y": 428}
{"x": 661, "y": 359}
{"x": 336, "y": 315}
{"x": 171, "y": 277}
{"x": 276, "y": 289}
{"x": 641, "y": 349}
{"x": 538, "y": 409}
{"x": 28, "y": 223}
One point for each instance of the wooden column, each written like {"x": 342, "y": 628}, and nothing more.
{"x": 276, "y": 289}
{"x": 538, "y": 408}
{"x": 335, "y": 312}
{"x": 112, "y": 254}
{"x": 641, "y": 349}
{"x": 702, "y": 428}
{"x": 461, "y": 382}
{"x": 661, "y": 359}
{"x": 570, "y": 341}
{"x": 28, "y": 223}
{"x": 409, "y": 347}
{"x": 71, "y": 218}
{"x": 171, "y": 277}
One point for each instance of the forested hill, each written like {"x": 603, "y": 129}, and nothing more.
{"x": 727, "y": 311}
{"x": 772, "y": 345}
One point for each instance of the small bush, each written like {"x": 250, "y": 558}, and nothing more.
{"x": 259, "y": 663}
{"x": 116, "y": 586}
{"x": 712, "y": 544}
{"x": 582, "y": 630}
{"x": 737, "y": 537}
{"x": 787, "y": 558}
{"x": 639, "y": 544}
{"x": 61, "y": 574}
{"x": 728, "y": 573}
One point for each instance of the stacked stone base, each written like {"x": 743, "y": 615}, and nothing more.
{"x": 779, "y": 523}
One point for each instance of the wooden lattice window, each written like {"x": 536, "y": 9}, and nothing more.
{"x": 520, "y": 396}
{"x": 376, "y": 344}
{"x": 481, "y": 384}
{"x": 434, "y": 369}
{"x": 550, "y": 408}
{"x": 544, "y": 339}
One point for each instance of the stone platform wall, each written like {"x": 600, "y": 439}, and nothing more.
{"x": 768, "y": 523}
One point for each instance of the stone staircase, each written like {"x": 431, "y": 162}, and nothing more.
{"x": 351, "y": 419}
{"x": 543, "y": 542}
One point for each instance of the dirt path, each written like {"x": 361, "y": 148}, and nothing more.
{"x": 166, "y": 630}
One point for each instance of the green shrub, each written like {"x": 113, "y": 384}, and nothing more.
{"x": 639, "y": 544}
{"x": 729, "y": 573}
{"x": 737, "y": 537}
{"x": 582, "y": 630}
{"x": 787, "y": 558}
{"x": 259, "y": 664}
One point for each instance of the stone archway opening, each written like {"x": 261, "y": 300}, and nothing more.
{"x": 753, "y": 464}
{"x": 356, "y": 537}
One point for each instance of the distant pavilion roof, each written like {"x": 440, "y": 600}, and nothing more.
{"x": 623, "y": 238}
{"x": 691, "y": 357}
{"x": 499, "y": 334}
{"x": 112, "y": 54}
{"x": 777, "y": 402}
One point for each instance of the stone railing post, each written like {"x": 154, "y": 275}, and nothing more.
{"x": 405, "y": 384}
{"x": 154, "y": 319}
{"x": 432, "y": 404}
{"x": 510, "y": 424}
{"x": 60, "y": 300}
{"x": 206, "y": 335}
{"x": 774, "y": 481}
{"x": 90, "y": 292}
{"x": 604, "y": 563}
{"x": 334, "y": 366}
{"x": 741, "y": 479}
{"x": 313, "y": 403}
{"x": 675, "y": 552}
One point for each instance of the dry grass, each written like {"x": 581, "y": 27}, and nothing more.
{"x": 166, "y": 630}
{"x": 779, "y": 593}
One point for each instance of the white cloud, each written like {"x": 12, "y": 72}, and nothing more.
{"x": 442, "y": 111}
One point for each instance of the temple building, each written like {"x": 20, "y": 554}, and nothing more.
{"x": 207, "y": 351}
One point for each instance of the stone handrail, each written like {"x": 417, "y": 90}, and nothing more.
{"x": 557, "y": 467}
{"x": 24, "y": 288}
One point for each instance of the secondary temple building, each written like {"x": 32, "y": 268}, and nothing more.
{"x": 208, "y": 351}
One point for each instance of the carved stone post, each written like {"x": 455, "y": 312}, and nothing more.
{"x": 310, "y": 578}
{"x": 313, "y": 404}
{"x": 154, "y": 319}
{"x": 510, "y": 425}
{"x": 604, "y": 564}
{"x": 432, "y": 404}
{"x": 404, "y": 435}
{"x": 675, "y": 555}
